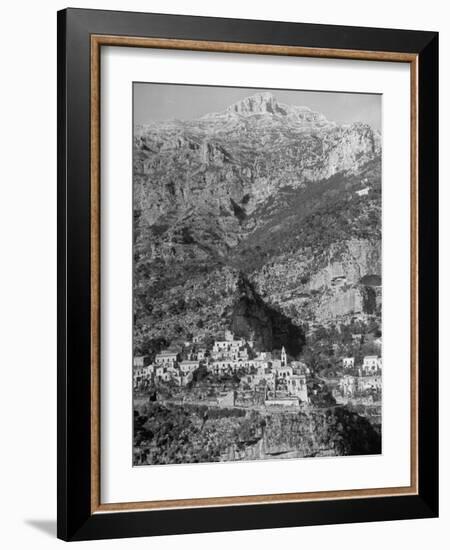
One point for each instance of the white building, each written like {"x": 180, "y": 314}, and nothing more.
{"x": 139, "y": 361}
{"x": 371, "y": 364}
{"x": 284, "y": 372}
{"x": 228, "y": 366}
{"x": 259, "y": 363}
{"x": 159, "y": 370}
{"x": 229, "y": 347}
{"x": 351, "y": 385}
{"x": 296, "y": 385}
{"x": 219, "y": 367}
{"x": 363, "y": 192}
{"x": 141, "y": 373}
{"x": 220, "y": 346}
{"x": 148, "y": 370}
{"x": 168, "y": 373}
{"x": 378, "y": 342}
{"x": 369, "y": 383}
{"x": 300, "y": 368}
{"x": 348, "y": 362}
{"x": 201, "y": 354}
{"x": 137, "y": 375}
{"x": 348, "y": 385}
{"x": 243, "y": 354}
{"x": 167, "y": 357}
{"x": 188, "y": 366}
{"x": 255, "y": 379}
{"x": 276, "y": 364}
{"x": 186, "y": 379}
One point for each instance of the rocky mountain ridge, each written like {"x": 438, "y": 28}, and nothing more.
{"x": 263, "y": 195}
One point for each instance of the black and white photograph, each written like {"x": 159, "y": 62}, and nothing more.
{"x": 257, "y": 274}
{"x": 223, "y": 259}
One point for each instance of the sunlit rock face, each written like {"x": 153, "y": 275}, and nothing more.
{"x": 263, "y": 191}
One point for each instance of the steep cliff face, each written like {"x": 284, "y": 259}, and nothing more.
{"x": 168, "y": 434}
{"x": 336, "y": 432}
{"x": 262, "y": 192}
{"x": 331, "y": 285}
{"x": 349, "y": 263}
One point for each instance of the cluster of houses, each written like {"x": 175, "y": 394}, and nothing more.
{"x": 278, "y": 377}
{"x": 166, "y": 367}
{"x": 365, "y": 378}
{"x": 371, "y": 364}
{"x": 282, "y": 381}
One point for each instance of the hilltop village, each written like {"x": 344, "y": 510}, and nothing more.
{"x": 231, "y": 373}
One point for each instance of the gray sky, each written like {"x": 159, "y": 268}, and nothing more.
{"x": 155, "y": 102}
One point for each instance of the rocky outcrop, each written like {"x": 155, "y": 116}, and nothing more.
{"x": 266, "y": 104}
{"x": 333, "y": 306}
{"x": 348, "y": 263}
{"x": 335, "y": 432}
{"x": 325, "y": 288}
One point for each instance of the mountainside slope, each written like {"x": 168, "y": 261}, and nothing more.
{"x": 264, "y": 200}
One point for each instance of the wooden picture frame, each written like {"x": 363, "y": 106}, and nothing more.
{"x": 81, "y": 35}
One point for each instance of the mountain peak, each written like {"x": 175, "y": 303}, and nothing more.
{"x": 265, "y": 103}
{"x": 260, "y": 103}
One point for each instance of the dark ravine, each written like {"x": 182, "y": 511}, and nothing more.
{"x": 252, "y": 318}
